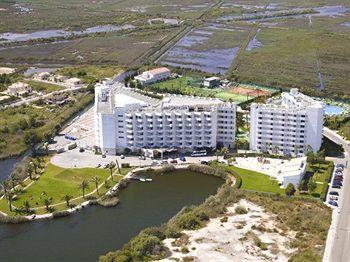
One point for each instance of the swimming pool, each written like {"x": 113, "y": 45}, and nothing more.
{"x": 331, "y": 110}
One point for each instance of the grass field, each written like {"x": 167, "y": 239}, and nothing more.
{"x": 90, "y": 73}
{"x": 43, "y": 87}
{"x": 57, "y": 182}
{"x": 256, "y": 181}
{"x": 190, "y": 85}
{"x": 109, "y": 48}
{"x": 321, "y": 175}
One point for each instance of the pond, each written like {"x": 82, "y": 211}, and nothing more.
{"x": 202, "y": 48}
{"x": 6, "y": 167}
{"x": 47, "y": 34}
{"x": 331, "y": 110}
{"x": 96, "y": 230}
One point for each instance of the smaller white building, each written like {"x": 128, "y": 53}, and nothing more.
{"x": 284, "y": 171}
{"x": 42, "y": 76}
{"x": 211, "y": 82}
{"x": 19, "y": 89}
{"x": 154, "y": 75}
{"x": 74, "y": 81}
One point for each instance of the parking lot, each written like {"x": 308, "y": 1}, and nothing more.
{"x": 75, "y": 159}
{"x": 81, "y": 129}
{"x": 335, "y": 187}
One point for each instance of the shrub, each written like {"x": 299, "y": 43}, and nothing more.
{"x": 241, "y": 210}
{"x": 63, "y": 213}
{"x": 224, "y": 219}
{"x": 185, "y": 250}
{"x": 188, "y": 221}
{"x": 146, "y": 246}
{"x": 108, "y": 201}
{"x": 125, "y": 165}
{"x": 13, "y": 219}
{"x": 154, "y": 231}
{"x": 290, "y": 190}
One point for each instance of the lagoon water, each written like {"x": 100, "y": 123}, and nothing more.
{"x": 6, "y": 167}
{"x": 86, "y": 235}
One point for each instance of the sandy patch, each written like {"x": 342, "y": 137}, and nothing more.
{"x": 6, "y": 70}
{"x": 254, "y": 236}
{"x": 249, "y": 91}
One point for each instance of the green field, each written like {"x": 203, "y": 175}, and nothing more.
{"x": 43, "y": 87}
{"x": 91, "y": 73}
{"x": 191, "y": 85}
{"x": 57, "y": 182}
{"x": 321, "y": 175}
{"x": 256, "y": 181}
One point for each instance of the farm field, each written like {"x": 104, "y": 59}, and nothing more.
{"x": 210, "y": 48}
{"x": 105, "y": 49}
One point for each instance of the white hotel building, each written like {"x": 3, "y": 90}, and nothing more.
{"x": 126, "y": 119}
{"x": 288, "y": 125}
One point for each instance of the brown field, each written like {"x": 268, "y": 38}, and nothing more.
{"x": 249, "y": 91}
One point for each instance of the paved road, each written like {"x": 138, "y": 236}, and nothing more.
{"x": 75, "y": 159}
{"x": 338, "y": 242}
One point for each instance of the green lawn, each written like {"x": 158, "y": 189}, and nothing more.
{"x": 191, "y": 85}
{"x": 256, "y": 181}
{"x": 91, "y": 72}
{"x": 44, "y": 87}
{"x": 321, "y": 174}
{"x": 56, "y": 182}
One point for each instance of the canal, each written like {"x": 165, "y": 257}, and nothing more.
{"x": 86, "y": 235}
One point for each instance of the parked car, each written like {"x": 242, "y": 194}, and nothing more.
{"x": 81, "y": 150}
{"x": 164, "y": 162}
{"x": 333, "y": 198}
{"x": 333, "y": 203}
{"x": 334, "y": 193}
{"x": 122, "y": 157}
{"x": 336, "y": 186}
{"x": 103, "y": 156}
{"x": 99, "y": 165}
{"x": 183, "y": 159}
{"x": 204, "y": 162}
{"x": 337, "y": 183}
{"x": 173, "y": 161}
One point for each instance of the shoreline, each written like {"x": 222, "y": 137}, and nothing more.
{"x": 112, "y": 192}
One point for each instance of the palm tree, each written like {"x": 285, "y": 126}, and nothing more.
{"x": 14, "y": 180}
{"x": 224, "y": 151}
{"x": 96, "y": 180}
{"x": 84, "y": 185}
{"x": 10, "y": 196}
{"x": 47, "y": 203}
{"x": 26, "y": 206}
{"x": 217, "y": 153}
{"x": 6, "y": 186}
{"x": 46, "y": 147}
{"x": 30, "y": 171}
{"x": 67, "y": 198}
{"x": 34, "y": 165}
{"x": 110, "y": 167}
{"x": 116, "y": 161}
